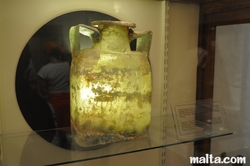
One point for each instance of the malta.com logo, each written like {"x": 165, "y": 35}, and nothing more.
{"x": 210, "y": 159}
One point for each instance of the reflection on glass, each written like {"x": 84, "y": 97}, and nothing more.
{"x": 32, "y": 95}
{"x": 53, "y": 81}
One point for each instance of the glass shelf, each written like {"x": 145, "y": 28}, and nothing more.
{"x": 31, "y": 148}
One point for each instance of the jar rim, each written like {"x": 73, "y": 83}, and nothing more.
{"x": 110, "y": 22}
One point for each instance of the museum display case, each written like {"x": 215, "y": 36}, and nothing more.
{"x": 198, "y": 51}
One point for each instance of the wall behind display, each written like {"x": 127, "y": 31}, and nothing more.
{"x": 19, "y": 20}
{"x": 182, "y": 64}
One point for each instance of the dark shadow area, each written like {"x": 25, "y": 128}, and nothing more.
{"x": 34, "y": 105}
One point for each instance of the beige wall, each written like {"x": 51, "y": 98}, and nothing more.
{"x": 182, "y": 63}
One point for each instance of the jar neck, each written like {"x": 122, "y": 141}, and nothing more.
{"x": 114, "y": 38}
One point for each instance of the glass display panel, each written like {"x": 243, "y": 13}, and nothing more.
{"x": 231, "y": 84}
{"x": 17, "y": 136}
{"x": 45, "y": 154}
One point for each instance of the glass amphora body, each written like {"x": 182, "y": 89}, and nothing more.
{"x": 110, "y": 85}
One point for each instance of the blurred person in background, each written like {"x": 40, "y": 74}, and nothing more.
{"x": 53, "y": 81}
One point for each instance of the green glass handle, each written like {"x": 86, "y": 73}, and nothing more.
{"x": 74, "y": 36}
{"x": 143, "y": 42}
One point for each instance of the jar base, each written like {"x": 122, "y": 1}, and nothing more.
{"x": 90, "y": 140}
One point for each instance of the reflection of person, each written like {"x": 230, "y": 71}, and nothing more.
{"x": 35, "y": 110}
{"x": 26, "y": 74}
{"x": 202, "y": 55}
{"x": 54, "y": 82}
